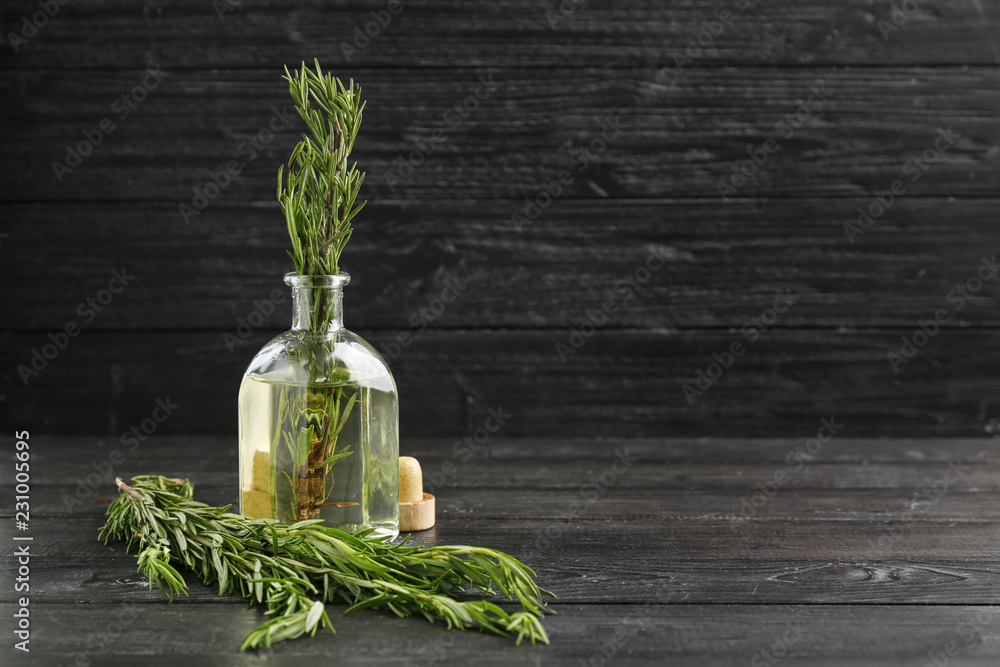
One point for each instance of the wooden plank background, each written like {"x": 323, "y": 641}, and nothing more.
{"x": 687, "y": 113}
{"x": 857, "y": 549}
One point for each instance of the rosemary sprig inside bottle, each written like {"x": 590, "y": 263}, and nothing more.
{"x": 318, "y": 191}
{"x": 293, "y": 569}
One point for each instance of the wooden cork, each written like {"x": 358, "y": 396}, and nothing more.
{"x": 416, "y": 508}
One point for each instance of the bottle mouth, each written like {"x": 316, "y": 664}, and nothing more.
{"x": 295, "y": 280}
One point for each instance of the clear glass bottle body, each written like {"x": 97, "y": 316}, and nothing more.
{"x": 318, "y": 418}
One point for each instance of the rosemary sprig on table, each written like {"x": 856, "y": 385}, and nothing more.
{"x": 294, "y": 569}
{"x": 318, "y": 190}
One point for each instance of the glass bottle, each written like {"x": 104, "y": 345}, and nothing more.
{"x": 319, "y": 421}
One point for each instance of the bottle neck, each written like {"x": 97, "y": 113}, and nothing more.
{"x": 317, "y": 309}
{"x": 317, "y": 302}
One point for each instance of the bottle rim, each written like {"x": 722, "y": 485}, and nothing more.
{"x": 295, "y": 280}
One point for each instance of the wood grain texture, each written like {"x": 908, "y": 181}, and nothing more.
{"x": 117, "y": 34}
{"x": 523, "y": 135}
{"x": 696, "y": 554}
{"x": 722, "y": 264}
{"x": 655, "y": 479}
{"x": 108, "y": 574}
{"x": 623, "y": 383}
{"x": 679, "y": 583}
{"x": 667, "y": 562}
{"x": 655, "y": 186}
{"x": 692, "y": 634}
{"x": 966, "y": 503}
{"x": 873, "y": 512}
{"x": 672, "y": 480}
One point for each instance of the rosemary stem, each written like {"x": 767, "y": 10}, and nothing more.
{"x": 283, "y": 566}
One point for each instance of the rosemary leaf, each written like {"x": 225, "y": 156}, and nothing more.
{"x": 318, "y": 187}
{"x": 293, "y": 570}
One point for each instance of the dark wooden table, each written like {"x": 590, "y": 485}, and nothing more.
{"x": 863, "y": 552}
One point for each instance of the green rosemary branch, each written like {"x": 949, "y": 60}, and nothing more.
{"x": 293, "y": 569}
{"x": 318, "y": 190}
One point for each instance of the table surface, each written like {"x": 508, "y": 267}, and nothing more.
{"x": 704, "y": 551}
